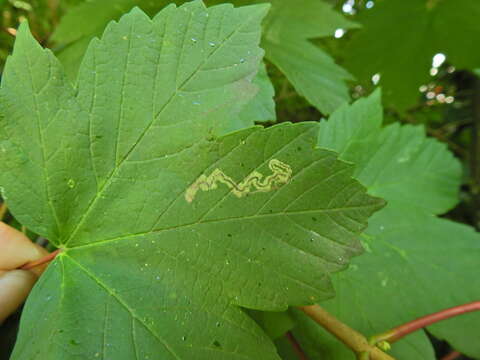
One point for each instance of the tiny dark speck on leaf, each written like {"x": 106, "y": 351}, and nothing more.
{"x": 217, "y": 344}
{"x": 229, "y": 235}
{"x": 314, "y": 218}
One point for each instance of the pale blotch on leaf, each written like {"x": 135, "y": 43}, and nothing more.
{"x": 255, "y": 182}
{"x": 71, "y": 183}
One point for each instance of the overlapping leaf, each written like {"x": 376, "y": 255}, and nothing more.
{"x": 397, "y": 162}
{"x": 415, "y": 263}
{"x": 262, "y": 107}
{"x": 399, "y": 39}
{"x": 311, "y": 71}
{"x": 167, "y": 229}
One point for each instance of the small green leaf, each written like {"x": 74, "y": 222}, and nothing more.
{"x": 351, "y": 124}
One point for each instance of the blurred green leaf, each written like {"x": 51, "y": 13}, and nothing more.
{"x": 399, "y": 39}
{"x": 311, "y": 70}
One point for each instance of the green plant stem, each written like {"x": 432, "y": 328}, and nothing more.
{"x": 3, "y": 210}
{"x": 296, "y": 346}
{"x": 400, "y": 331}
{"x": 350, "y": 337}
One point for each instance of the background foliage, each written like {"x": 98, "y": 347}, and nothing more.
{"x": 422, "y": 250}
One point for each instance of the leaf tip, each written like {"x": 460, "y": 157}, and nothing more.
{"x": 136, "y": 10}
{"x": 262, "y": 9}
{"x": 24, "y": 32}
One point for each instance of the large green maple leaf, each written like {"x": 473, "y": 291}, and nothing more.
{"x": 399, "y": 39}
{"x": 415, "y": 263}
{"x": 287, "y": 31}
{"x": 167, "y": 229}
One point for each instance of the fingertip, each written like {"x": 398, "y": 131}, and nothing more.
{"x": 15, "y": 285}
{"x": 17, "y": 249}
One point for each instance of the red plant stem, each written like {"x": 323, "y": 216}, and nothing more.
{"x": 296, "y": 346}
{"x": 452, "y": 356}
{"x": 400, "y": 331}
{"x": 41, "y": 261}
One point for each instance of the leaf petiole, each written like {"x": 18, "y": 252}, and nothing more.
{"x": 350, "y": 337}
{"x": 41, "y": 261}
{"x": 399, "y": 332}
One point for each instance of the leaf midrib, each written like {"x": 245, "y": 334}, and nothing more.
{"x": 98, "y": 243}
